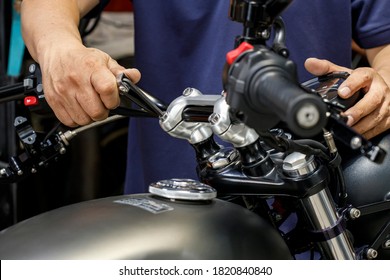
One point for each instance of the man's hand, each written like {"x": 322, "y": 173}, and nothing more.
{"x": 371, "y": 115}
{"x": 80, "y": 84}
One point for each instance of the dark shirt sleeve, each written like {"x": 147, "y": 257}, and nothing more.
{"x": 371, "y": 22}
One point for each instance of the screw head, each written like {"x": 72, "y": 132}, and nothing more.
{"x": 372, "y": 254}
{"x": 356, "y": 142}
{"x": 354, "y": 213}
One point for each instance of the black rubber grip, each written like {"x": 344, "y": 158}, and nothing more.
{"x": 275, "y": 92}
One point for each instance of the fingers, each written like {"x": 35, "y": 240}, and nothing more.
{"x": 375, "y": 89}
{"x": 84, "y": 89}
{"x": 320, "y": 67}
{"x": 66, "y": 109}
{"x": 105, "y": 87}
{"x": 370, "y": 116}
{"x": 105, "y": 84}
{"x": 133, "y": 74}
{"x": 360, "y": 79}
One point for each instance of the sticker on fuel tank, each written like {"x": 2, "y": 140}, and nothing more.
{"x": 150, "y": 205}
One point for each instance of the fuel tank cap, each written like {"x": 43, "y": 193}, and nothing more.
{"x": 185, "y": 189}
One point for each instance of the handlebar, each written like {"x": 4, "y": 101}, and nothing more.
{"x": 262, "y": 89}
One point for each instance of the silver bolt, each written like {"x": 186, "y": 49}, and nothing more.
{"x": 188, "y": 91}
{"x": 354, "y": 213}
{"x": 372, "y": 254}
{"x": 308, "y": 116}
{"x": 214, "y": 118}
{"x": 32, "y": 68}
{"x": 387, "y": 244}
{"x": 222, "y": 158}
{"x": 164, "y": 117}
{"x": 20, "y": 172}
{"x": 123, "y": 89}
{"x": 33, "y": 170}
{"x": 62, "y": 151}
{"x": 297, "y": 164}
{"x": 39, "y": 88}
{"x": 265, "y": 34}
{"x": 356, "y": 142}
{"x": 294, "y": 160}
{"x": 2, "y": 171}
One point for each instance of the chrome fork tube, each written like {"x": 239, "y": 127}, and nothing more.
{"x": 326, "y": 223}
{"x": 323, "y": 216}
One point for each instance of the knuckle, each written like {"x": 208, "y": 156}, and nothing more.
{"x": 376, "y": 100}
{"x": 83, "y": 120}
{"x": 106, "y": 87}
{"x": 99, "y": 115}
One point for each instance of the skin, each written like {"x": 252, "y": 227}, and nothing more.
{"x": 80, "y": 83}
{"x": 371, "y": 115}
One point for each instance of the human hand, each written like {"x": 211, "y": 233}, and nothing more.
{"x": 80, "y": 83}
{"x": 371, "y": 115}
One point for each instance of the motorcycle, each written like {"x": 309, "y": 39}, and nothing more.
{"x": 293, "y": 180}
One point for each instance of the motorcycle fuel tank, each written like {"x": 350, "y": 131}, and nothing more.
{"x": 144, "y": 226}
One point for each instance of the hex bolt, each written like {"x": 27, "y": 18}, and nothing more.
{"x": 372, "y": 254}
{"x": 354, "y": 213}
{"x": 164, "y": 117}
{"x": 214, "y": 118}
{"x": 297, "y": 164}
{"x": 62, "y": 151}
{"x": 222, "y": 159}
{"x": 188, "y": 91}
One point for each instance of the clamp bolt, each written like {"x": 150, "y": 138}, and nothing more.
{"x": 372, "y": 254}
{"x": 354, "y": 213}
{"x": 188, "y": 91}
{"x": 214, "y": 118}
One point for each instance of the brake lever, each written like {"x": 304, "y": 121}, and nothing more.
{"x": 326, "y": 86}
{"x": 144, "y": 100}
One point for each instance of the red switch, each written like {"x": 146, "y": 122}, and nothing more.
{"x": 30, "y": 101}
{"x": 232, "y": 55}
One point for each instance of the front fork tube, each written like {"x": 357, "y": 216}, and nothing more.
{"x": 328, "y": 228}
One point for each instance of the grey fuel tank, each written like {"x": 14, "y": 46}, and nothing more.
{"x": 189, "y": 224}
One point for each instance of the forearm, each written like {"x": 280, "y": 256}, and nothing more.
{"x": 46, "y": 23}
{"x": 379, "y": 59}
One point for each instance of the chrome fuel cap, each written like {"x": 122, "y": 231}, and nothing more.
{"x": 185, "y": 189}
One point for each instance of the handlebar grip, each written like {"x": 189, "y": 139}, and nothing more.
{"x": 262, "y": 89}
{"x": 275, "y": 92}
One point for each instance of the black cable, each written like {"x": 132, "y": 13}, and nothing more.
{"x": 84, "y": 24}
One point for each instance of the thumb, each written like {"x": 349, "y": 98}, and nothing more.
{"x": 320, "y": 67}
{"x": 133, "y": 74}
